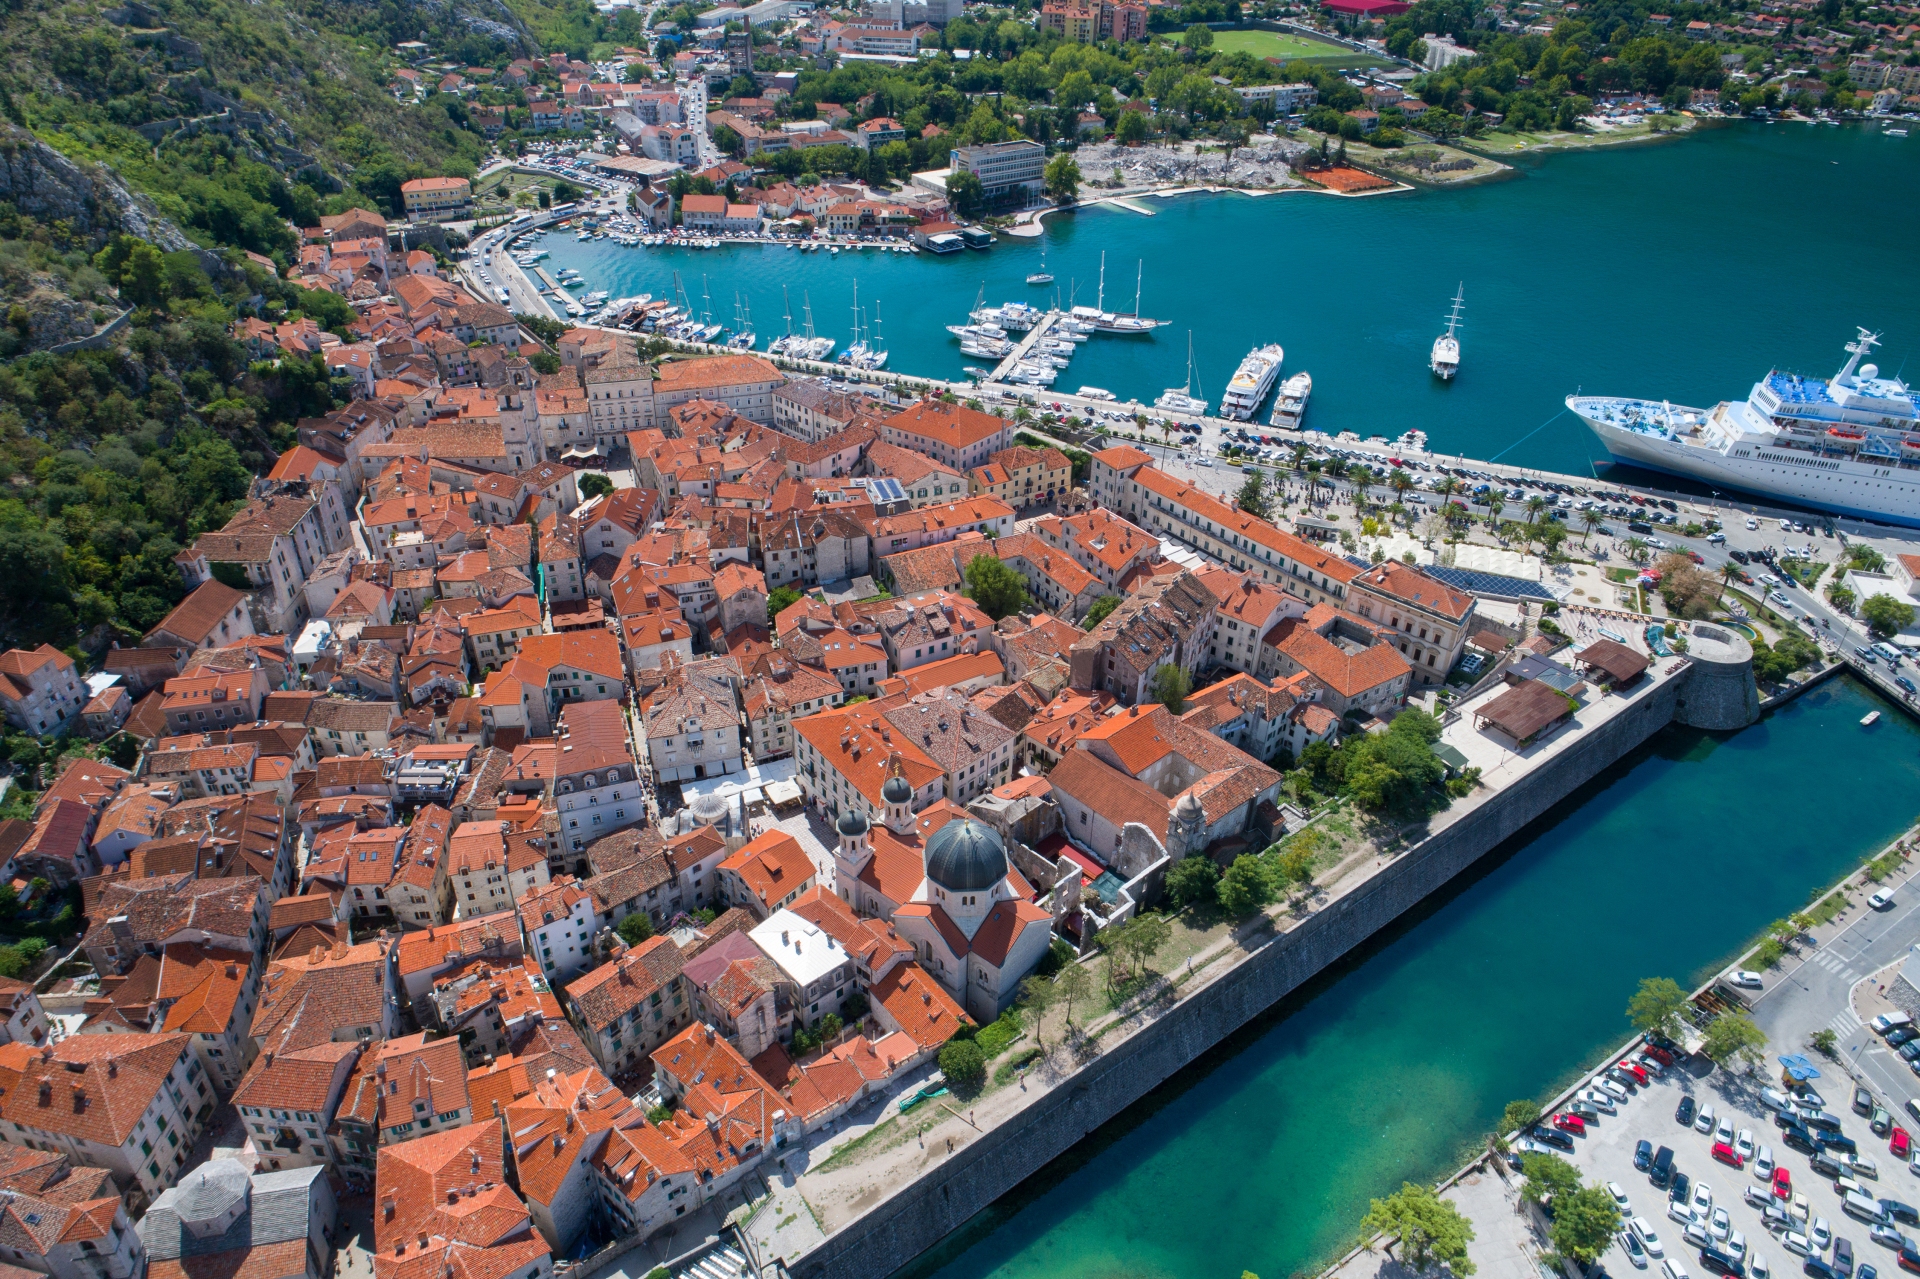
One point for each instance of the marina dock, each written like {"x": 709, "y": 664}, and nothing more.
{"x": 1003, "y": 370}
{"x": 549, "y": 281}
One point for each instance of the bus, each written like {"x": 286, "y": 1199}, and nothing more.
{"x": 501, "y": 293}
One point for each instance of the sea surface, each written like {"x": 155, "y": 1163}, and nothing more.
{"x": 1680, "y": 270}
{"x": 1389, "y": 1067}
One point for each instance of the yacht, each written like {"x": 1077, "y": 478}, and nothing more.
{"x": 1849, "y": 444}
{"x": 1290, "y": 404}
{"x": 1095, "y": 393}
{"x": 1251, "y": 382}
{"x": 783, "y": 345}
{"x": 986, "y": 348}
{"x": 811, "y": 347}
{"x": 743, "y": 338}
{"x": 1101, "y": 320}
{"x": 1184, "y": 399}
{"x": 1042, "y": 276}
{"x": 1445, "y": 360}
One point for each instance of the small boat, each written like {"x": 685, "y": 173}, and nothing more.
{"x": 1183, "y": 399}
{"x": 1042, "y": 276}
{"x": 1896, "y": 133}
{"x": 1095, "y": 393}
{"x": 1870, "y": 719}
{"x": 1445, "y": 360}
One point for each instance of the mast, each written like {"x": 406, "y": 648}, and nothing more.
{"x": 1459, "y": 298}
{"x": 1139, "y": 278}
{"x": 856, "y": 310}
{"x": 1862, "y": 345}
{"x": 877, "y": 344}
{"x": 1100, "y": 301}
{"x": 806, "y": 303}
{"x": 787, "y": 302}
{"x": 706, "y": 302}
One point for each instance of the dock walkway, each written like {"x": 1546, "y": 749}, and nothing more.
{"x": 1004, "y": 370}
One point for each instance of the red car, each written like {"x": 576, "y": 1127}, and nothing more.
{"x": 1782, "y": 1184}
{"x": 1571, "y": 1123}
{"x": 1728, "y": 1155}
{"x": 1635, "y": 1069}
{"x": 1900, "y": 1144}
{"x": 1660, "y": 1055}
{"x": 1696, "y": 557}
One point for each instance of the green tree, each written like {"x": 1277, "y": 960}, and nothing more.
{"x": 1885, "y": 615}
{"x": 728, "y": 141}
{"x": 964, "y": 1065}
{"x": 1430, "y": 1229}
{"x": 1734, "y": 1035}
{"x": 1254, "y": 498}
{"x": 1063, "y": 178}
{"x": 965, "y": 193}
{"x": 779, "y": 600}
{"x": 1193, "y": 881}
{"x": 1169, "y": 685}
{"x": 1520, "y": 1115}
{"x": 1840, "y": 596}
{"x": 1396, "y": 771}
{"x": 1245, "y": 887}
{"x": 1655, "y": 1007}
{"x": 1073, "y": 985}
{"x": 1583, "y": 1223}
{"x": 1099, "y": 610}
{"x": 1037, "y": 995}
{"x": 1826, "y": 1043}
{"x": 1547, "y": 1176}
{"x": 1131, "y": 131}
{"x": 995, "y": 586}
{"x": 635, "y": 928}
{"x": 593, "y": 484}
{"x": 1296, "y": 862}
{"x": 1198, "y": 37}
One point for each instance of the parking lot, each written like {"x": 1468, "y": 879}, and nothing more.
{"x": 1606, "y": 1155}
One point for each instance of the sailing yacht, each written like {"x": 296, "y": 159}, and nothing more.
{"x": 783, "y": 345}
{"x": 1105, "y": 321}
{"x": 813, "y": 348}
{"x": 1446, "y": 348}
{"x": 1183, "y": 398}
{"x": 1041, "y": 276}
{"x": 876, "y": 357}
{"x": 743, "y": 338}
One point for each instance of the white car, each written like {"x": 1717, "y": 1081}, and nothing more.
{"x": 1763, "y": 1163}
{"x": 1677, "y": 1210}
{"x": 1794, "y": 1241}
{"x": 1618, "y": 1090}
{"x": 1600, "y": 1101}
{"x": 1757, "y": 1266}
{"x": 1720, "y": 1225}
{"x": 1705, "y": 1120}
{"x": 1746, "y": 977}
{"x": 1820, "y": 1233}
{"x": 1758, "y": 1197}
{"x": 1635, "y": 1250}
{"x": 1723, "y": 1131}
{"x": 1736, "y": 1245}
{"x": 1774, "y": 1099}
{"x": 1643, "y": 1230}
{"x": 1914, "y": 1167}
{"x": 1753, "y": 523}
{"x": 1702, "y": 1199}
{"x": 1743, "y": 1143}
{"x": 1619, "y": 1196}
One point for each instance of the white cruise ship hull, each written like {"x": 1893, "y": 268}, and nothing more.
{"x": 1865, "y": 489}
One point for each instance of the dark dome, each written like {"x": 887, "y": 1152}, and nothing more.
{"x": 966, "y": 857}
{"x": 898, "y": 790}
{"x": 853, "y": 822}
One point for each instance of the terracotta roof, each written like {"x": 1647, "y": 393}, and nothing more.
{"x": 92, "y": 1087}
{"x": 919, "y": 1005}
{"x": 196, "y": 616}
{"x": 305, "y": 998}
{"x": 300, "y": 1080}
{"x": 771, "y": 866}
{"x": 713, "y": 372}
{"x": 618, "y": 986}
{"x": 1404, "y": 582}
{"x": 953, "y": 425}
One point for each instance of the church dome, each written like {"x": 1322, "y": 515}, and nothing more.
{"x": 965, "y": 856}
{"x": 898, "y": 790}
{"x": 1189, "y": 810}
{"x": 852, "y": 823}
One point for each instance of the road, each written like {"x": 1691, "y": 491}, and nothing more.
{"x": 1814, "y": 995}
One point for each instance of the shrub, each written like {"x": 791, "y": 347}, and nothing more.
{"x": 1193, "y": 881}
{"x": 964, "y": 1065}
{"x": 997, "y": 1037}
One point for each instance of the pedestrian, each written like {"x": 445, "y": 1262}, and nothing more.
{"x": 949, "y": 1145}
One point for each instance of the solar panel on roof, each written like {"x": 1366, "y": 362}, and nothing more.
{"x": 1474, "y": 583}
{"x": 886, "y": 489}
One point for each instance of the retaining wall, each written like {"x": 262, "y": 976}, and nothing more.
{"x": 922, "y": 1213}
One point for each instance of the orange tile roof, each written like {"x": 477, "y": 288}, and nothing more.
{"x": 771, "y": 866}
{"x": 857, "y": 741}
{"x": 953, "y": 425}
{"x": 92, "y": 1087}
{"x": 713, "y": 372}
{"x": 919, "y": 1005}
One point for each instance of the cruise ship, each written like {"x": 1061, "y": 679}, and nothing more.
{"x": 1251, "y": 382}
{"x": 1849, "y": 444}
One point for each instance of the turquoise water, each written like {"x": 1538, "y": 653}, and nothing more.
{"x": 1681, "y": 270}
{"x": 1262, "y": 1156}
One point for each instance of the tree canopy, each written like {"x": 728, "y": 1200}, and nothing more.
{"x": 995, "y": 586}
{"x": 1430, "y": 1229}
{"x": 1655, "y": 1007}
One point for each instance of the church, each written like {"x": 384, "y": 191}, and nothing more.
{"x": 944, "y": 882}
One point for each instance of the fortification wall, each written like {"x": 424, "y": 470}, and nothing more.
{"x": 919, "y": 1215}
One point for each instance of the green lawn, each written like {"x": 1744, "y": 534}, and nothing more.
{"x": 1292, "y": 48}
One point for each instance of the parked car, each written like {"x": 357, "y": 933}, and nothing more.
{"x": 1843, "y": 1258}
{"x": 1774, "y": 1101}
{"x": 1758, "y": 1197}
{"x": 1743, "y": 1143}
{"x": 1702, "y": 1198}
{"x": 1891, "y": 1021}
{"x": 1636, "y": 1252}
{"x": 1553, "y": 1137}
{"x": 1862, "y": 1102}
{"x": 1696, "y": 1236}
{"x": 1728, "y": 1155}
{"x": 1720, "y": 1224}
{"x": 1794, "y": 1241}
{"x": 1763, "y": 1163}
{"x": 1643, "y": 1230}
{"x": 1834, "y": 1141}
{"x": 1720, "y": 1262}
{"x": 1570, "y": 1123}
{"x": 1747, "y": 978}
{"x": 1798, "y": 1138}
{"x": 1685, "y": 1112}
{"x": 1704, "y": 1121}
{"x": 1820, "y": 1232}
{"x": 1888, "y": 1237}
{"x": 1599, "y": 1101}
{"x": 1584, "y": 1110}
{"x": 1910, "y": 1258}
{"x": 1900, "y": 1144}
{"x": 1881, "y": 900}
{"x": 1880, "y": 1121}
{"x": 1642, "y": 1155}
{"x": 1682, "y": 1184}
{"x": 1782, "y": 1184}
{"x": 1899, "y": 1211}
{"x": 1619, "y": 1196}
{"x": 1757, "y": 1266}
{"x": 1864, "y": 1166}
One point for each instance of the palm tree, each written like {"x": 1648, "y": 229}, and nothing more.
{"x": 1494, "y": 507}
{"x": 1399, "y": 482}
{"x": 1447, "y": 486}
{"x": 1300, "y": 457}
{"x": 1589, "y": 521}
{"x": 1728, "y": 572}
{"x": 1535, "y": 505}
{"x": 1637, "y": 549}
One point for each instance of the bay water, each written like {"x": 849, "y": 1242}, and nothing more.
{"x": 1681, "y": 270}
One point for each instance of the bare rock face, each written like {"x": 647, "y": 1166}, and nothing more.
{"x": 44, "y": 184}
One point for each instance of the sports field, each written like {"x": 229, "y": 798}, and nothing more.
{"x": 1292, "y": 48}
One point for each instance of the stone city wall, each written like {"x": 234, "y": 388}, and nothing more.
{"x": 919, "y": 1215}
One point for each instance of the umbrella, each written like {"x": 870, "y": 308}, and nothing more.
{"x": 1799, "y": 1068}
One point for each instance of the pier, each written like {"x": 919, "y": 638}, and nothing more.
{"x": 546, "y": 279}
{"x": 1021, "y": 350}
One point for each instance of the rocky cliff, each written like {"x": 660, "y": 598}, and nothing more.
{"x": 41, "y": 183}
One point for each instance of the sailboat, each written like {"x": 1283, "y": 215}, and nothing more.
{"x": 1041, "y": 276}
{"x": 856, "y": 351}
{"x": 1446, "y": 348}
{"x": 811, "y": 347}
{"x": 1184, "y": 398}
{"x": 709, "y": 331}
{"x": 1105, "y": 321}
{"x": 743, "y": 338}
{"x": 876, "y": 357}
{"x": 783, "y": 345}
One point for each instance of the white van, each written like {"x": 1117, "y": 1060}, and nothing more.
{"x": 1863, "y": 1206}
{"x": 1674, "y": 1270}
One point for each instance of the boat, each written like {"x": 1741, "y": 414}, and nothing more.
{"x": 1250, "y": 383}
{"x": 1290, "y": 404}
{"x": 1774, "y": 443}
{"x": 1870, "y": 719}
{"x": 783, "y": 345}
{"x": 1445, "y": 360}
{"x": 1183, "y": 398}
{"x": 986, "y": 348}
{"x": 1042, "y": 276}
{"x": 1102, "y": 320}
{"x": 811, "y": 347}
{"x": 1895, "y": 133}
{"x": 964, "y": 331}
{"x": 743, "y": 338}
{"x": 1095, "y": 393}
